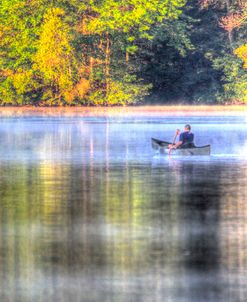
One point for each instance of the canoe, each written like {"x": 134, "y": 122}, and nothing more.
{"x": 157, "y": 144}
{"x": 162, "y": 147}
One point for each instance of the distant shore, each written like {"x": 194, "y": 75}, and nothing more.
{"x": 173, "y": 110}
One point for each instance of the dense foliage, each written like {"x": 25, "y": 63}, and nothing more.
{"x": 111, "y": 52}
{"x": 198, "y": 58}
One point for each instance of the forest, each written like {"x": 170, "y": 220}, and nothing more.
{"x": 122, "y": 52}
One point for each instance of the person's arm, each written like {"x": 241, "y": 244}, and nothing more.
{"x": 179, "y": 143}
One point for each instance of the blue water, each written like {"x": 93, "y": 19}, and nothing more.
{"x": 89, "y": 212}
{"x": 115, "y": 140}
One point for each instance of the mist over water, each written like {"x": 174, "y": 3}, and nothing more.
{"x": 89, "y": 212}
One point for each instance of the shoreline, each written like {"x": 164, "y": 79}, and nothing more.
{"x": 154, "y": 110}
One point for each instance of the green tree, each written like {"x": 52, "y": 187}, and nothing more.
{"x": 70, "y": 52}
{"x": 116, "y": 27}
{"x": 235, "y": 76}
{"x": 178, "y": 61}
{"x": 18, "y": 31}
{"x": 193, "y": 60}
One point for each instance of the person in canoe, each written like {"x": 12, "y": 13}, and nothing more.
{"x": 186, "y": 139}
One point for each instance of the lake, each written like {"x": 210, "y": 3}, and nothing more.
{"x": 89, "y": 212}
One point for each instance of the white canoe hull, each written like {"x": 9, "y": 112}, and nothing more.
{"x": 198, "y": 151}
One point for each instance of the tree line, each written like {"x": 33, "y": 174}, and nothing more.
{"x": 115, "y": 52}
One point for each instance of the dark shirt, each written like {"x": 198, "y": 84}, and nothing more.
{"x": 186, "y": 137}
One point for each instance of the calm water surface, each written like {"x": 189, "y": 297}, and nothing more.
{"x": 90, "y": 213}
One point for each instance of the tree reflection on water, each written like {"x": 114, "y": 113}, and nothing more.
{"x": 109, "y": 230}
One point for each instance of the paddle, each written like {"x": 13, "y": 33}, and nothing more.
{"x": 174, "y": 139}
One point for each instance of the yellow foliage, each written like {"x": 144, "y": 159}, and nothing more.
{"x": 83, "y": 27}
{"x": 55, "y": 58}
{"x": 119, "y": 93}
{"x": 80, "y": 90}
{"x": 82, "y": 87}
{"x": 6, "y": 73}
{"x": 241, "y": 52}
{"x": 22, "y": 80}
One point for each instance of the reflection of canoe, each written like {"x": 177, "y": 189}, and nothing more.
{"x": 162, "y": 146}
